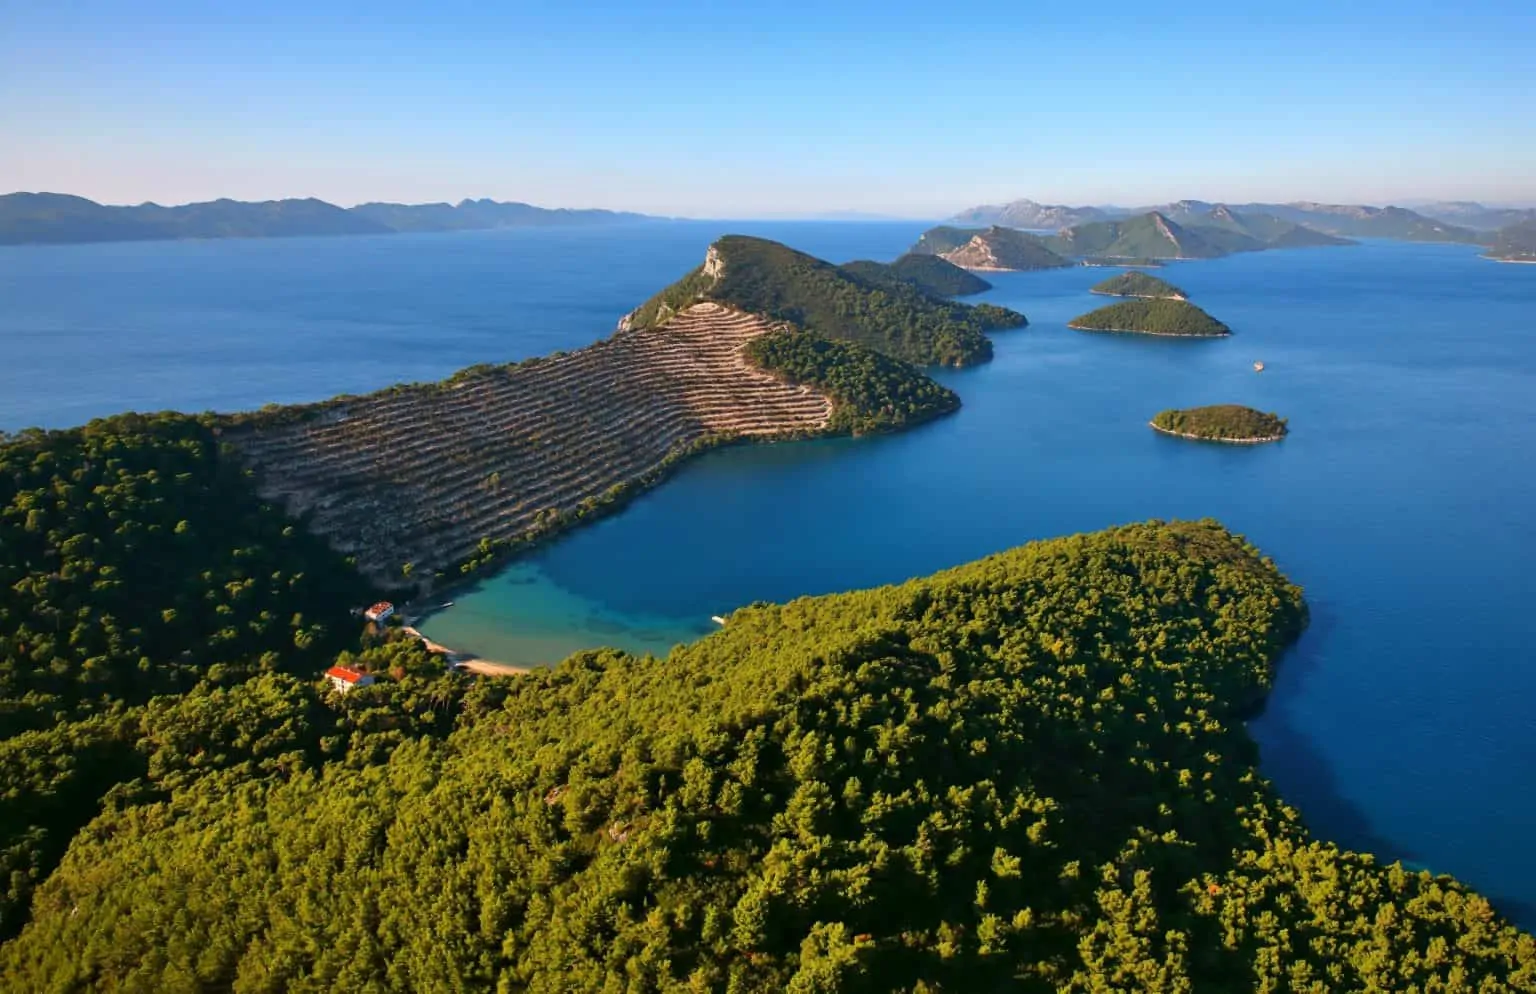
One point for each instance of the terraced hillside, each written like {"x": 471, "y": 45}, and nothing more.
{"x": 424, "y": 474}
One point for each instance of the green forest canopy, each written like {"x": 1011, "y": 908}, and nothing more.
{"x": 1028, "y": 773}
{"x": 1152, "y": 317}
{"x": 764, "y": 277}
{"x": 1222, "y": 421}
{"x": 1138, "y": 285}
{"x": 1007, "y": 248}
{"x": 871, "y": 392}
{"x": 928, "y": 273}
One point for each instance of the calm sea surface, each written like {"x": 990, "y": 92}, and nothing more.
{"x": 1404, "y": 500}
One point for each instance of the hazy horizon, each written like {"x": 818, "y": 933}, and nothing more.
{"x": 686, "y": 109}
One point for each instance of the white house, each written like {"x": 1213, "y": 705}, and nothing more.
{"x": 380, "y": 612}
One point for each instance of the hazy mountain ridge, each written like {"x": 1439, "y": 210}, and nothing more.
{"x": 56, "y": 218}
{"x": 1028, "y": 214}
{"x": 1337, "y": 220}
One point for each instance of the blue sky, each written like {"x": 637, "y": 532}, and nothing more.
{"x": 736, "y": 110}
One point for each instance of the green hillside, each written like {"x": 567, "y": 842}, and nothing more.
{"x": 928, "y": 273}
{"x": 1516, "y": 243}
{"x": 1137, "y": 285}
{"x": 944, "y": 238}
{"x": 1006, "y": 249}
{"x": 1152, "y": 317}
{"x": 1268, "y": 230}
{"x": 1029, "y": 773}
{"x": 1222, "y": 422}
{"x": 764, "y": 277}
{"x": 1151, "y": 235}
{"x": 872, "y": 391}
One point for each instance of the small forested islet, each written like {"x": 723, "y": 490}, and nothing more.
{"x": 1222, "y": 423}
{"x": 1172, "y": 318}
{"x": 1138, "y": 285}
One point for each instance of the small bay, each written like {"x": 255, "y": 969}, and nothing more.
{"x": 1402, "y": 501}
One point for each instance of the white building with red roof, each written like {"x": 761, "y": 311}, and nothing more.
{"x": 344, "y": 678}
{"x": 380, "y": 612}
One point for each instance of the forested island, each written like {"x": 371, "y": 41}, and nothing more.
{"x": 1222, "y": 423}
{"x": 928, "y": 273}
{"x": 999, "y": 249}
{"x": 1138, "y": 285}
{"x": 1172, "y": 318}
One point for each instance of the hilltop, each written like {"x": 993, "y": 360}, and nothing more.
{"x": 761, "y": 277}
{"x": 1473, "y": 215}
{"x": 1153, "y": 235}
{"x": 1028, "y": 214}
{"x": 1356, "y": 221}
{"x": 1004, "y": 250}
{"x": 1267, "y": 230}
{"x": 1170, "y": 318}
{"x": 59, "y": 218}
{"x": 1516, "y": 243}
{"x": 1222, "y": 423}
{"x": 1138, "y": 285}
{"x": 943, "y": 238}
{"x": 928, "y": 273}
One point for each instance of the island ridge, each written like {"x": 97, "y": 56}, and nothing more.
{"x": 1171, "y": 318}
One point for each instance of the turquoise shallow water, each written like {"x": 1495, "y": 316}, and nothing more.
{"x": 1402, "y": 723}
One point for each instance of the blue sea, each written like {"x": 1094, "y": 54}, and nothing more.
{"x": 1404, "y": 501}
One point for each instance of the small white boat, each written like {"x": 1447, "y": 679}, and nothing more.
{"x": 717, "y": 619}
{"x": 1258, "y": 367}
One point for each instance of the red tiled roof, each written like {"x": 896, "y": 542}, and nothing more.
{"x": 345, "y": 673}
{"x": 381, "y": 607}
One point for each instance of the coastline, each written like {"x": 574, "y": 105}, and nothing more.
{"x": 465, "y": 660}
{"x": 1142, "y": 296}
{"x": 1512, "y": 262}
{"x": 1154, "y": 334}
{"x": 1208, "y": 438}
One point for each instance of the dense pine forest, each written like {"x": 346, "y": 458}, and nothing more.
{"x": 1152, "y": 317}
{"x": 763, "y": 277}
{"x": 1222, "y": 422}
{"x": 927, "y": 273}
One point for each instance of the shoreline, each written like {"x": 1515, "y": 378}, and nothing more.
{"x": 1511, "y": 262}
{"x": 466, "y": 660}
{"x": 1142, "y": 296}
{"x": 1208, "y": 438}
{"x": 1154, "y": 334}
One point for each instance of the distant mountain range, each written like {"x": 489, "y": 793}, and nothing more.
{"x": 59, "y": 218}
{"x": 1339, "y": 220}
{"x": 1515, "y": 243}
{"x": 1470, "y": 214}
{"x": 1028, "y": 214}
{"x": 1187, "y": 230}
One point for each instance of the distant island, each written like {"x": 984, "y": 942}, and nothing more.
{"x": 994, "y": 249}
{"x": 1184, "y": 233}
{"x": 1516, "y": 243}
{"x": 1437, "y": 223}
{"x": 928, "y": 273}
{"x": 56, "y": 218}
{"x": 1222, "y": 423}
{"x": 1170, "y": 318}
{"x": 1138, "y": 285}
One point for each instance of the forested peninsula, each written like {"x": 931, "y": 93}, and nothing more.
{"x": 1171, "y": 318}
{"x": 1222, "y": 423}
{"x": 1026, "y": 773}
